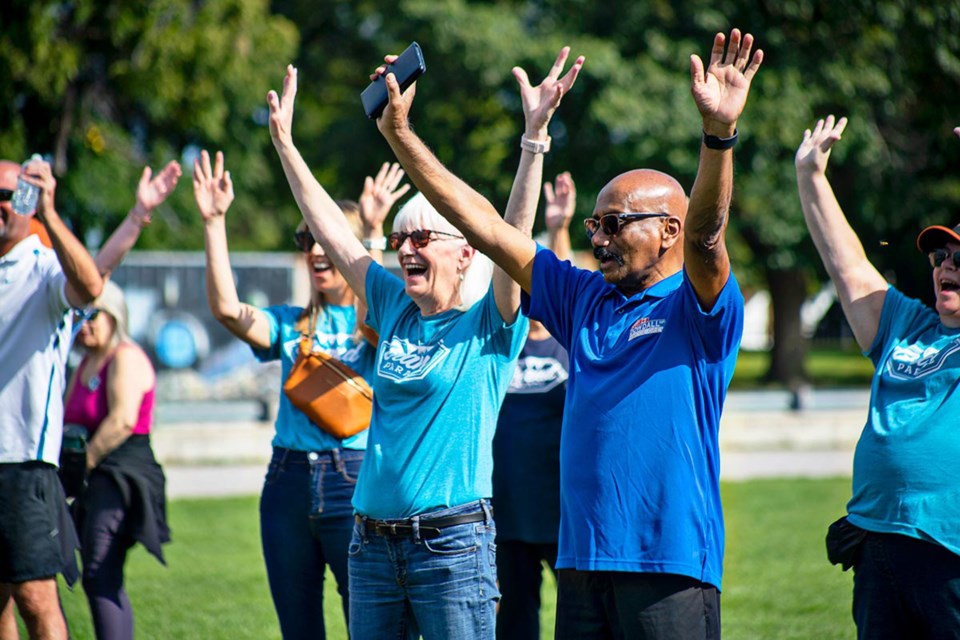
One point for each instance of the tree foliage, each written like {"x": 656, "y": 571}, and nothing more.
{"x": 108, "y": 86}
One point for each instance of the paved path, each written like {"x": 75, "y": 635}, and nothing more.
{"x": 759, "y": 437}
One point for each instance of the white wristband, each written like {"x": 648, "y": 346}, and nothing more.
{"x": 375, "y": 243}
{"x": 534, "y": 146}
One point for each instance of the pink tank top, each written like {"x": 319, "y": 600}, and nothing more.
{"x": 88, "y": 407}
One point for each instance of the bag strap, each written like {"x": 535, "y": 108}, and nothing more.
{"x": 306, "y": 336}
{"x": 347, "y": 373}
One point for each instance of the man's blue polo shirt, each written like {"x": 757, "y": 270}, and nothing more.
{"x": 639, "y": 459}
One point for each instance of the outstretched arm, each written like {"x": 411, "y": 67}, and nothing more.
{"x": 84, "y": 282}
{"x": 213, "y": 191}
{"x": 860, "y": 286}
{"x": 511, "y": 249}
{"x": 378, "y": 197}
{"x": 325, "y": 219}
{"x": 152, "y": 191}
{"x": 721, "y": 94}
{"x": 561, "y": 200}
{"x": 539, "y": 105}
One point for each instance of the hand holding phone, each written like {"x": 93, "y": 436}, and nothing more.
{"x": 408, "y": 66}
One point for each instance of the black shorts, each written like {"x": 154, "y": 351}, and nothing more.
{"x": 34, "y": 532}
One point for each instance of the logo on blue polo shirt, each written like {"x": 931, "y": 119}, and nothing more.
{"x": 911, "y": 362}
{"x": 646, "y": 326}
{"x": 403, "y": 361}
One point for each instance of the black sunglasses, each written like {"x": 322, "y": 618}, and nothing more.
{"x": 611, "y": 223}
{"x": 304, "y": 241}
{"x": 419, "y": 238}
{"x": 937, "y": 257}
{"x": 6, "y": 195}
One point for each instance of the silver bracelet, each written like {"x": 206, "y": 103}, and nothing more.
{"x": 375, "y": 243}
{"x": 534, "y": 146}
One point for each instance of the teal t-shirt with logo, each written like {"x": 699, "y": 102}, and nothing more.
{"x": 334, "y": 335}
{"x": 905, "y": 477}
{"x": 438, "y": 384}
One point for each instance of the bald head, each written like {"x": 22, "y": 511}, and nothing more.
{"x": 13, "y": 228}
{"x": 8, "y": 174}
{"x": 644, "y": 190}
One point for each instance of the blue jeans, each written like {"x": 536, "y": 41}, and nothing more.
{"x": 402, "y": 586}
{"x": 306, "y": 519}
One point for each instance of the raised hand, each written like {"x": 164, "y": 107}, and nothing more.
{"x": 380, "y": 194}
{"x": 540, "y": 102}
{"x": 561, "y": 201}
{"x": 152, "y": 190}
{"x": 721, "y": 92}
{"x": 814, "y": 151}
{"x": 39, "y": 174}
{"x": 212, "y": 187}
{"x": 397, "y": 113}
{"x": 281, "y": 108}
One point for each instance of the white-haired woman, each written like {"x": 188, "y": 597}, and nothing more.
{"x": 422, "y": 559}
{"x": 111, "y": 393}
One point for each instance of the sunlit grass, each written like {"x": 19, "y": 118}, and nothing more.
{"x": 777, "y": 581}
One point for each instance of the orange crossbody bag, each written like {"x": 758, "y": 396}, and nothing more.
{"x": 332, "y": 395}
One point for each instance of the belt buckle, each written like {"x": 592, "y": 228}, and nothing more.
{"x": 386, "y": 528}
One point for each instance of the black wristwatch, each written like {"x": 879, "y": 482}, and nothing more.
{"x": 719, "y": 144}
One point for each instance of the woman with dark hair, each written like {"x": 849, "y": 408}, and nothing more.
{"x": 305, "y": 515}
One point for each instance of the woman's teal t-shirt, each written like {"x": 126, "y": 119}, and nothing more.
{"x": 335, "y": 335}
{"x": 438, "y": 384}
{"x": 905, "y": 477}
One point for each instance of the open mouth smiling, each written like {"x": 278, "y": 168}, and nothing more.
{"x": 414, "y": 269}
{"x": 321, "y": 266}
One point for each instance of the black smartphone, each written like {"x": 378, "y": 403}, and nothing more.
{"x": 407, "y": 68}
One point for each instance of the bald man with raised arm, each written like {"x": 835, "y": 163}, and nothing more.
{"x": 38, "y": 287}
{"x": 652, "y": 339}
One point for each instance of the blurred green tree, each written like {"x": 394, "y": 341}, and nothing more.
{"x": 107, "y": 87}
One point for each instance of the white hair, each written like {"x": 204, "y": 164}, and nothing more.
{"x": 418, "y": 213}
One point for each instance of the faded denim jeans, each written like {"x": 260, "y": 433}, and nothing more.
{"x": 405, "y": 586}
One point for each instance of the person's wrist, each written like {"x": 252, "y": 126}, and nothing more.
{"x": 214, "y": 221}
{"x": 719, "y": 129}
{"x": 282, "y": 142}
{"x": 536, "y": 132}
{"x": 395, "y": 130}
{"x": 718, "y": 143}
{"x": 375, "y": 243}
{"x": 139, "y": 215}
{"x": 811, "y": 172}
{"x": 535, "y": 145}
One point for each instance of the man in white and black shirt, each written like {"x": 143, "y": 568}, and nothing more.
{"x": 38, "y": 288}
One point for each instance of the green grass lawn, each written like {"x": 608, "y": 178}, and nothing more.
{"x": 826, "y": 368}
{"x": 777, "y": 581}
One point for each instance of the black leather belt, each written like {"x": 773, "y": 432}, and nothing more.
{"x": 429, "y": 527}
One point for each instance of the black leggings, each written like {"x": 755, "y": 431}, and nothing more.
{"x": 104, "y": 541}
